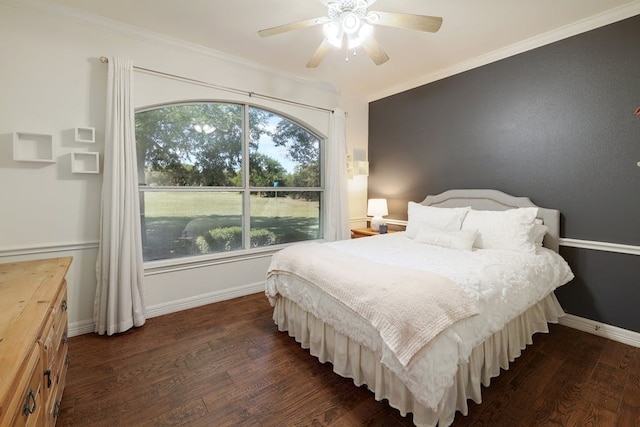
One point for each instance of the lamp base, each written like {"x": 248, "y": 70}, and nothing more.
{"x": 376, "y": 221}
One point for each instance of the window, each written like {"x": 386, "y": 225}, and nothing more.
{"x": 218, "y": 177}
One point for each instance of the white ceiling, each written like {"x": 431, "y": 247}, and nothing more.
{"x": 473, "y": 32}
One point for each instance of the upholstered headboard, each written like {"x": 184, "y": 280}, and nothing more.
{"x": 494, "y": 200}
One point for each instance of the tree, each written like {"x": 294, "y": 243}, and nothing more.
{"x": 303, "y": 148}
{"x": 201, "y": 145}
{"x": 172, "y": 143}
{"x": 265, "y": 171}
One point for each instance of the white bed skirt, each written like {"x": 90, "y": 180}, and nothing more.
{"x": 352, "y": 360}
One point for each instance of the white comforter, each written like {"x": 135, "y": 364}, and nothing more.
{"x": 503, "y": 284}
{"x": 408, "y": 307}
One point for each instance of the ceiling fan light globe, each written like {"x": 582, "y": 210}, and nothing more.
{"x": 355, "y": 41}
{"x": 350, "y": 22}
{"x": 331, "y": 30}
{"x": 337, "y": 43}
{"x": 365, "y": 31}
{"x": 333, "y": 34}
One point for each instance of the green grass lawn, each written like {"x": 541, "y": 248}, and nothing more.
{"x": 196, "y": 204}
{"x": 173, "y": 220}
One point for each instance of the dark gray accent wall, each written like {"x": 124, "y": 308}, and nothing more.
{"x": 555, "y": 124}
{"x": 606, "y": 287}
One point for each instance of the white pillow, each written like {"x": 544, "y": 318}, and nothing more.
{"x": 442, "y": 218}
{"x": 452, "y": 239}
{"x": 538, "y": 232}
{"x": 511, "y": 229}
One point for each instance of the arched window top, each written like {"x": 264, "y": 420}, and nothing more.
{"x": 201, "y": 144}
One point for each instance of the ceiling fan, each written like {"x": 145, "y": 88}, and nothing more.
{"x": 348, "y": 24}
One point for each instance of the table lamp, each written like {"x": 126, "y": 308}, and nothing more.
{"x": 377, "y": 208}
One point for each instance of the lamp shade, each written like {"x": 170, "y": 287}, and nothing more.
{"x": 377, "y": 207}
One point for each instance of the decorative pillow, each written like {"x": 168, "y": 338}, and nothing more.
{"x": 452, "y": 239}
{"x": 538, "y": 232}
{"x": 511, "y": 229}
{"x": 442, "y": 218}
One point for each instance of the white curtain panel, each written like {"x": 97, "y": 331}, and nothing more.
{"x": 119, "y": 302}
{"x": 336, "y": 199}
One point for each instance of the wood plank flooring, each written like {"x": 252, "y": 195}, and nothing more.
{"x": 225, "y": 364}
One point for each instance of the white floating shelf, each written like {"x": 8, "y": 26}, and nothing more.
{"x": 33, "y": 147}
{"x": 87, "y": 135}
{"x": 85, "y": 162}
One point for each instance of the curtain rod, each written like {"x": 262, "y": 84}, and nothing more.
{"x": 105, "y": 60}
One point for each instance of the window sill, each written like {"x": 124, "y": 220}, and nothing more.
{"x": 187, "y": 263}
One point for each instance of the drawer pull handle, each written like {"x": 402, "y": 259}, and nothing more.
{"x": 47, "y": 374}
{"x": 29, "y": 406}
{"x": 67, "y": 360}
{"x": 65, "y": 339}
{"x": 56, "y": 409}
{"x": 64, "y": 305}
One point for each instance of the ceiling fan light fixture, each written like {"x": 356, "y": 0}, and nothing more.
{"x": 350, "y": 22}
{"x": 355, "y": 41}
{"x": 333, "y": 34}
{"x": 349, "y": 25}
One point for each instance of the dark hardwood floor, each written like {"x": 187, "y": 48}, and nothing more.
{"x": 225, "y": 364}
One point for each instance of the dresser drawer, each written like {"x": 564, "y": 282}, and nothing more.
{"x": 54, "y": 338}
{"x": 58, "y": 378}
{"x": 59, "y": 311}
{"x": 26, "y": 407}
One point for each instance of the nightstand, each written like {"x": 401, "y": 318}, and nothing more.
{"x": 365, "y": 232}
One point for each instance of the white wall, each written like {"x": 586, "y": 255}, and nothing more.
{"x": 52, "y": 81}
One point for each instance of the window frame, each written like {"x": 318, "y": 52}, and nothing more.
{"x": 246, "y": 253}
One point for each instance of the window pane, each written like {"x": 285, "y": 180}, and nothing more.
{"x": 281, "y": 152}
{"x": 284, "y": 217}
{"x": 178, "y": 224}
{"x": 190, "y": 145}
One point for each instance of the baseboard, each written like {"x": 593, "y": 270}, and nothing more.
{"x": 613, "y": 333}
{"x": 204, "y": 299}
{"x": 80, "y": 328}
{"x": 87, "y": 326}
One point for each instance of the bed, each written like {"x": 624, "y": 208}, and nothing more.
{"x": 492, "y": 265}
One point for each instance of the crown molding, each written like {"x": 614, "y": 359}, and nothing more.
{"x": 570, "y": 30}
{"x": 148, "y": 36}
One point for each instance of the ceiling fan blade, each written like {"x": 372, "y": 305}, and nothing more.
{"x": 409, "y": 21}
{"x": 293, "y": 26}
{"x": 319, "y": 54}
{"x": 375, "y": 51}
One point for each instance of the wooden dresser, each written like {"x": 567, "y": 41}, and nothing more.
{"x": 33, "y": 341}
